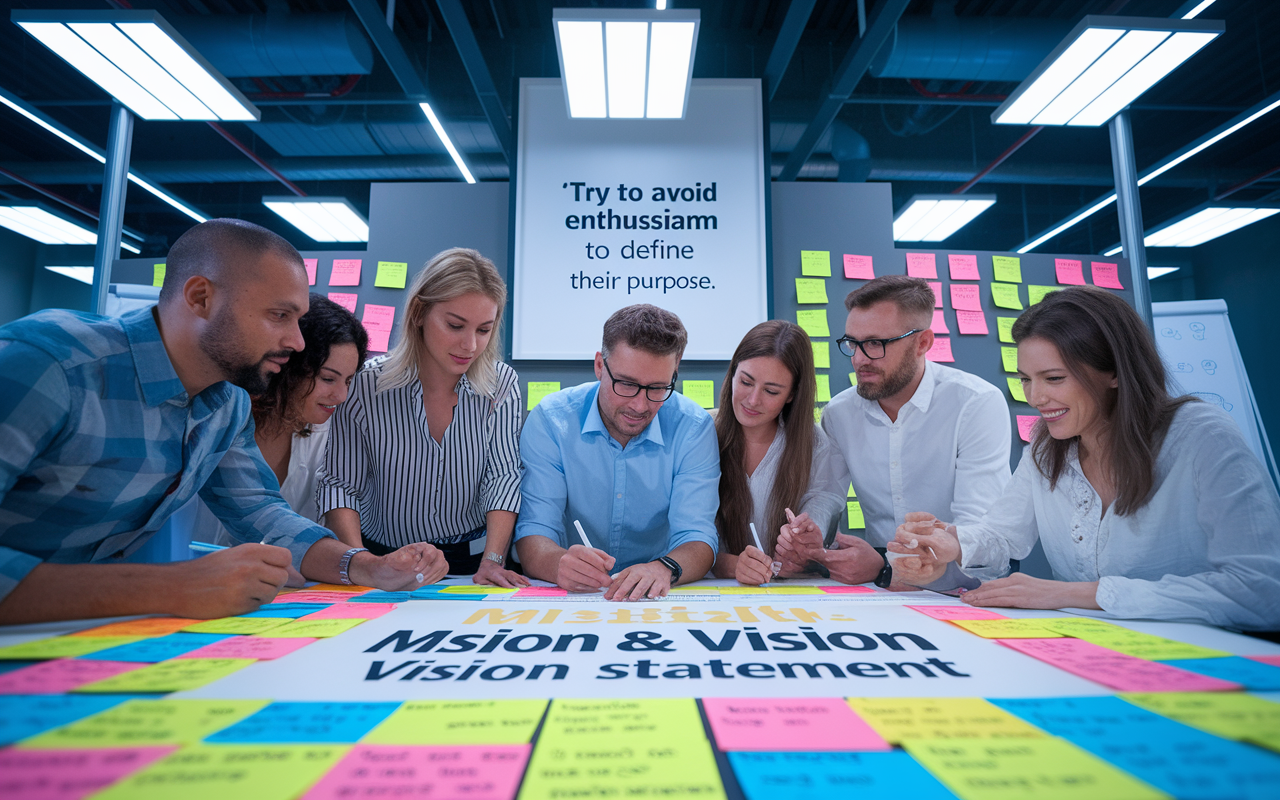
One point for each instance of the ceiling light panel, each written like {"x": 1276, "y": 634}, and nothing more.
{"x": 36, "y": 223}
{"x": 1206, "y": 224}
{"x": 934, "y": 218}
{"x": 324, "y": 219}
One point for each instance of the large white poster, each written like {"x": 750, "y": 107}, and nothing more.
{"x": 615, "y": 212}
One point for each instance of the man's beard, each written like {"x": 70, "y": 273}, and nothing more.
{"x": 891, "y": 384}
{"x": 219, "y": 342}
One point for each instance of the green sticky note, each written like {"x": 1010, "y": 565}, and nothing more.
{"x": 477, "y": 589}
{"x": 174, "y": 675}
{"x": 622, "y": 767}
{"x": 1005, "y": 326}
{"x": 391, "y": 274}
{"x": 1009, "y": 358}
{"x": 853, "y": 379}
{"x": 815, "y": 263}
{"x": 1015, "y": 389}
{"x": 814, "y": 321}
{"x": 63, "y": 647}
{"x": 631, "y": 720}
{"x": 157, "y": 274}
{"x": 1007, "y": 628}
{"x": 456, "y": 722}
{"x": 538, "y": 390}
{"x": 821, "y": 355}
{"x": 1231, "y": 715}
{"x": 238, "y": 624}
{"x": 1036, "y": 293}
{"x": 142, "y": 723}
{"x": 851, "y": 493}
{"x": 1007, "y": 268}
{"x": 1130, "y": 642}
{"x": 701, "y": 392}
{"x": 219, "y": 771}
{"x": 811, "y": 290}
{"x": 1005, "y": 295}
{"x": 313, "y": 628}
{"x": 824, "y": 388}
{"x": 898, "y": 719}
{"x": 856, "y": 520}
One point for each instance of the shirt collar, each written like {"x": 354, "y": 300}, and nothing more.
{"x": 156, "y": 375}
{"x": 592, "y": 422}
{"x": 921, "y": 399}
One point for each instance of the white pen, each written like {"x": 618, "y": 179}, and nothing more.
{"x": 582, "y": 533}
{"x": 776, "y": 566}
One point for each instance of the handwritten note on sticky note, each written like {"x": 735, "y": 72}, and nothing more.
{"x": 259, "y": 648}
{"x": 811, "y": 290}
{"x": 156, "y": 649}
{"x": 1015, "y": 389}
{"x": 623, "y": 768}
{"x": 313, "y": 628}
{"x": 477, "y": 772}
{"x": 1252, "y": 675}
{"x": 1069, "y": 271}
{"x": 821, "y": 355}
{"x": 941, "y": 350}
{"x": 346, "y": 272}
{"x": 1026, "y": 426}
{"x": 64, "y": 674}
{"x": 378, "y": 320}
{"x": 939, "y": 324}
{"x": 391, "y": 274}
{"x": 346, "y": 300}
{"x": 1115, "y": 670}
{"x": 453, "y": 722}
{"x": 957, "y": 612}
{"x": 815, "y": 263}
{"x": 138, "y": 723}
{"x": 236, "y": 625}
{"x": 936, "y": 286}
{"x": 147, "y": 626}
{"x": 1105, "y": 274}
{"x": 813, "y": 321}
{"x": 217, "y": 772}
{"x": 353, "y": 611}
{"x": 71, "y": 774}
{"x": 311, "y": 265}
{"x": 157, "y": 274}
{"x": 812, "y": 724}
{"x": 1241, "y": 717}
{"x": 858, "y": 267}
{"x": 177, "y": 675}
{"x": 1005, "y": 295}
{"x": 963, "y": 267}
{"x": 971, "y": 322}
{"x": 1131, "y": 642}
{"x": 538, "y": 390}
{"x": 1007, "y": 269}
{"x": 898, "y": 719}
{"x": 922, "y": 265}
{"x": 62, "y": 647}
{"x": 297, "y": 723}
{"x": 1007, "y": 628}
{"x": 1009, "y": 358}
{"x": 1005, "y": 327}
{"x": 857, "y": 520}
{"x": 1036, "y": 293}
{"x": 24, "y": 716}
{"x": 965, "y": 296}
{"x": 803, "y": 776}
{"x": 701, "y": 392}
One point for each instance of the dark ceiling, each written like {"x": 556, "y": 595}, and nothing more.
{"x": 365, "y": 128}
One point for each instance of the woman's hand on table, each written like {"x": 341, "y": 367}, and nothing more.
{"x": 1023, "y": 591}
{"x": 491, "y": 573}
{"x": 754, "y": 567}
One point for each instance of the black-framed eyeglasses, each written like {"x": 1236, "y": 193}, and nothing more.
{"x": 655, "y": 394}
{"x": 871, "y": 348}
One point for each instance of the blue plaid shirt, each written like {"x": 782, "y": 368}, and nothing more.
{"x": 99, "y": 444}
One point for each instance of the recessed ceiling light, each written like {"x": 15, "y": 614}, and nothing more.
{"x": 82, "y": 274}
{"x": 934, "y": 217}
{"x": 1205, "y": 224}
{"x": 1156, "y": 272}
{"x": 324, "y": 219}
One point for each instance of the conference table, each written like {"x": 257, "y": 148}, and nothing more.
{"x": 799, "y": 689}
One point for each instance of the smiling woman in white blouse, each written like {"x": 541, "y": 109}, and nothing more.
{"x": 1148, "y": 506}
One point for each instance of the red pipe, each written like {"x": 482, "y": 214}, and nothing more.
{"x": 1245, "y": 184}
{"x": 252, "y": 156}
{"x": 57, "y": 198}
{"x": 960, "y": 95}
{"x": 1000, "y": 159}
{"x": 267, "y": 94}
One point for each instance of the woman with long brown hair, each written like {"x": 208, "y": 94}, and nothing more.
{"x": 1148, "y": 505}
{"x": 771, "y": 453}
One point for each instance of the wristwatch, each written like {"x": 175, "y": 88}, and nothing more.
{"x": 673, "y": 565}
{"x": 885, "y": 577}
{"x": 344, "y": 564}
{"x": 495, "y": 558}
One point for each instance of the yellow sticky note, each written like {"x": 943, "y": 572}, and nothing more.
{"x": 821, "y": 354}
{"x": 824, "y": 388}
{"x": 391, "y": 274}
{"x": 814, "y": 321}
{"x": 897, "y": 719}
{"x": 1007, "y": 268}
{"x": 1231, "y": 715}
{"x": 477, "y": 589}
{"x": 238, "y": 624}
{"x": 313, "y": 628}
{"x": 216, "y": 772}
{"x": 455, "y": 722}
{"x": 816, "y": 263}
{"x": 1005, "y": 326}
{"x": 784, "y": 589}
{"x": 811, "y": 290}
{"x": 1130, "y": 642}
{"x": 142, "y": 723}
{"x": 618, "y": 767}
{"x": 701, "y": 392}
{"x": 640, "y": 720}
{"x": 1015, "y": 389}
{"x": 856, "y": 519}
{"x": 157, "y": 274}
{"x": 1023, "y": 769}
{"x": 1007, "y": 628}
{"x": 1005, "y": 295}
{"x": 1036, "y": 293}
{"x": 539, "y": 390}
{"x": 174, "y": 675}
{"x": 743, "y": 590}
{"x": 63, "y": 647}
{"x": 853, "y": 379}
{"x": 1009, "y": 358}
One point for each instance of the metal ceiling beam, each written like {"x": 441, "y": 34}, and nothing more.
{"x": 846, "y": 79}
{"x": 784, "y": 47}
{"x": 374, "y": 20}
{"x": 464, "y": 38}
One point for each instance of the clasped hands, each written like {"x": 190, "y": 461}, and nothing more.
{"x": 586, "y": 569}
{"x": 851, "y": 561}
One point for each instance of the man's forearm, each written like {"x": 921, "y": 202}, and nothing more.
{"x": 83, "y": 591}
{"x": 695, "y": 559}
{"x": 540, "y": 557}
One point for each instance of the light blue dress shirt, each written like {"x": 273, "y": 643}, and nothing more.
{"x": 636, "y": 503}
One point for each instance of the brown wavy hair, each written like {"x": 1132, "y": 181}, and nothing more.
{"x": 788, "y": 343}
{"x": 1094, "y": 328}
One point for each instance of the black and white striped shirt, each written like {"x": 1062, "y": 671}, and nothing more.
{"x": 383, "y": 463}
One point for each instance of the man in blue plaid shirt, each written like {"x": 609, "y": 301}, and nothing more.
{"x": 107, "y": 426}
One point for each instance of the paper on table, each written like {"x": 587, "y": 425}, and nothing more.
{"x": 346, "y": 272}
{"x": 256, "y": 647}
{"x": 957, "y": 612}
{"x": 147, "y": 626}
{"x": 1005, "y": 628}
{"x": 1005, "y": 295}
{"x": 148, "y": 722}
{"x": 218, "y": 772}
{"x": 814, "y": 321}
{"x": 1115, "y": 670}
{"x": 176, "y": 675}
{"x": 701, "y": 392}
{"x": 1016, "y": 390}
{"x": 391, "y": 274}
{"x": 352, "y": 611}
{"x": 898, "y": 719}
{"x": 922, "y": 265}
{"x": 965, "y": 296}
{"x": 157, "y": 649}
{"x": 1105, "y": 274}
{"x": 824, "y": 388}
{"x": 25, "y": 715}
{"x": 1009, "y": 358}
{"x": 378, "y": 321}
{"x": 61, "y": 675}
{"x": 858, "y": 267}
{"x": 1005, "y": 326}
{"x": 804, "y": 776}
{"x": 445, "y": 722}
{"x": 816, "y": 263}
{"x": 939, "y": 324}
{"x": 1007, "y": 269}
{"x": 1069, "y": 271}
{"x": 311, "y": 265}
{"x": 821, "y": 354}
{"x": 63, "y": 647}
{"x": 313, "y": 628}
{"x": 234, "y": 625}
{"x": 963, "y": 267}
{"x": 1036, "y": 293}
{"x": 477, "y": 772}
{"x": 346, "y": 300}
{"x": 1026, "y": 423}
{"x": 936, "y": 286}
{"x": 809, "y": 724}
{"x": 70, "y": 774}
{"x": 305, "y": 723}
{"x": 972, "y": 322}
{"x": 538, "y": 390}
{"x": 811, "y": 290}
{"x": 941, "y": 350}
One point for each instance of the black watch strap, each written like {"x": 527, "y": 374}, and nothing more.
{"x": 673, "y": 565}
{"x": 885, "y": 576}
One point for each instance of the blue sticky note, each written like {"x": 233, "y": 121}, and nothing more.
{"x": 1187, "y": 763}
{"x": 1254, "y": 675}
{"x": 306, "y": 723}
{"x": 804, "y": 776}
{"x": 381, "y": 597}
{"x": 288, "y": 610}
{"x": 161, "y": 648}
{"x": 25, "y": 715}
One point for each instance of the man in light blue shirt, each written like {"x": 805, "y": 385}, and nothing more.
{"x": 637, "y": 466}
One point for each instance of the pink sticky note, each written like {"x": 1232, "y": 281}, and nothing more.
{"x": 478, "y": 772}
{"x": 971, "y": 322}
{"x": 353, "y": 611}
{"x": 61, "y": 675}
{"x": 346, "y": 272}
{"x": 259, "y": 647}
{"x": 941, "y": 350}
{"x": 377, "y": 321}
{"x": 922, "y": 265}
{"x": 540, "y": 591}
{"x": 311, "y": 264}
{"x": 305, "y": 596}
{"x": 939, "y": 324}
{"x": 936, "y": 286}
{"x": 1105, "y": 275}
{"x": 1070, "y": 271}
{"x": 1273, "y": 660}
{"x": 966, "y": 296}
{"x": 71, "y": 774}
{"x": 1025, "y": 424}
{"x": 963, "y": 268}
{"x": 847, "y": 589}
{"x": 956, "y": 612}
{"x": 1117, "y": 671}
{"x": 858, "y": 267}
{"x": 805, "y": 725}
{"x": 347, "y": 301}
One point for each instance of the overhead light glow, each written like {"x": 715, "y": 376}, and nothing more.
{"x": 1206, "y": 224}
{"x": 324, "y": 219}
{"x": 1156, "y": 272}
{"x": 82, "y": 274}
{"x": 36, "y": 223}
{"x": 1195, "y": 12}
{"x": 1103, "y": 65}
{"x": 448, "y": 143}
{"x": 933, "y": 218}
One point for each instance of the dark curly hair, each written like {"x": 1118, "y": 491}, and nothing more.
{"x": 324, "y": 325}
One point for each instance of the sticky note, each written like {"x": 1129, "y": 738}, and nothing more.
{"x": 1015, "y": 389}
{"x": 1005, "y": 326}
{"x": 24, "y": 716}
{"x": 805, "y": 776}
{"x": 157, "y": 274}
{"x": 853, "y": 379}
{"x": 821, "y": 354}
{"x": 1274, "y": 660}
{"x": 542, "y": 591}
{"x": 608, "y": 767}
{"x": 858, "y": 267}
{"x": 936, "y": 286}
{"x": 287, "y": 610}
{"x": 352, "y": 611}
{"x": 259, "y": 648}
{"x": 63, "y": 647}
{"x": 70, "y": 774}
{"x": 824, "y": 388}
{"x": 1114, "y": 670}
{"x": 217, "y": 772}
{"x": 347, "y": 301}
{"x": 1009, "y": 358}
{"x": 1069, "y": 271}
{"x": 1241, "y": 717}
{"x": 963, "y": 267}
{"x": 965, "y": 296}
{"x": 1129, "y": 642}
{"x": 851, "y": 492}
{"x": 1007, "y": 269}
{"x": 816, "y": 263}
{"x": 377, "y": 321}
{"x": 922, "y": 265}
{"x": 311, "y": 265}
{"x": 1005, "y": 295}
{"x": 856, "y": 519}
{"x": 235, "y": 625}
{"x": 454, "y": 722}
{"x": 743, "y": 590}
{"x": 538, "y": 390}
{"x": 814, "y": 321}
{"x": 807, "y": 724}
{"x": 939, "y": 324}
{"x": 941, "y": 350}
{"x": 647, "y": 720}
{"x": 176, "y": 675}
{"x": 957, "y": 612}
{"x": 1007, "y": 628}
{"x": 306, "y": 723}
{"x": 64, "y": 674}
{"x": 346, "y": 272}
{"x": 157, "y": 649}
{"x": 313, "y": 628}
{"x": 147, "y": 626}
{"x": 1036, "y": 293}
{"x": 477, "y": 772}
{"x": 311, "y": 596}
{"x": 139, "y": 723}
{"x": 475, "y": 588}
{"x": 1252, "y": 675}
{"x": 898, "y": 719}
{"x": 792, "y": 589}
{"x": 811, "y": 290}
{"x": 381, "y": 597}
{"x": 971, "y": 322}
{"x": 1026, "y": 426}
{"x": 391, "y": 274}
{"x": 1105, "y": 274}
{"x": 847, "y": 590}
{"x": 701, "y": 392}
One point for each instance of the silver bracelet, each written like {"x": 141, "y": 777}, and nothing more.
{"x": 344, "y": 564}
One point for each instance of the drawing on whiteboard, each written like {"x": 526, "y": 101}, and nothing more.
{"x": 1210, "y": 367}
{"x": 1197, "y": 331}
{"x": 1183, "y": 367}
{"x": 1171, "y": 333}
{"x": 1217, "y": 399}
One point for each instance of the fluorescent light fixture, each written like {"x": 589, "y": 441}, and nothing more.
{"x": 324, "y": 219}
{"x": 82, "y": 274}
{"x": 934, "y": 217}
{"x": 1156, "y": 272}
{"x": 1103, "y": 65}
{"x": 448, "y": 143}
{"x": 139, "y": 59}
{"x": 36, "y": 223}
{"x": 1205, "y": 223}
{"x": 1195, "y": 12}
{"x": 1163, "y": 168}
{"x": 626, "y": 64}
{"x": 1088, "y": 212}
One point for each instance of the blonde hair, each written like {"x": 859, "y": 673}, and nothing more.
{"x": 452, "y": 273}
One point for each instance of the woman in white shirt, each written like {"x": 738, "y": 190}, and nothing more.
{"x": 765, "y": 427}
{"x": 1148, "y": 506}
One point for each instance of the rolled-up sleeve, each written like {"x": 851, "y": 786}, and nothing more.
{"x": 344, "y": 471}
{"x": 695, "y": 489}
{"x": 500, "y": 484}
{"x": 543, "y": 489}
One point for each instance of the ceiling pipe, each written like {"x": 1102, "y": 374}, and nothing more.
{"x": 67, "y": 202}
{"x": 784, "y": 47}
{"x": 1247, "y": 183}
{"x": 252, "y": 156}
{"x": 950, "y": 48}
{"x": 270, "y": 45}
{"x": 1000, "y": 159}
